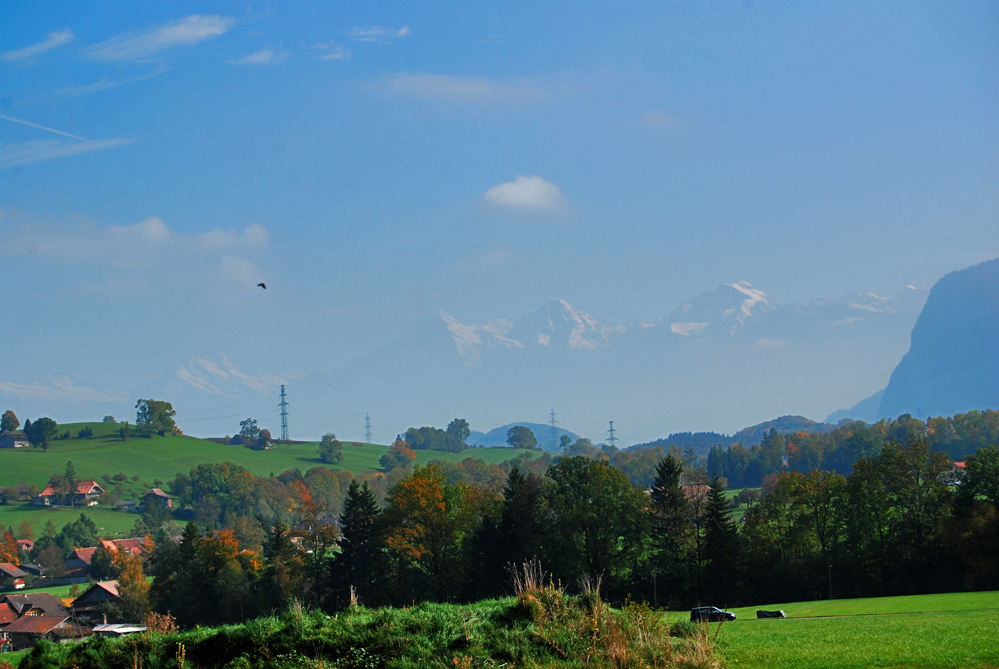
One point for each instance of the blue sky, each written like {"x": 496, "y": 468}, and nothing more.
{"x": 374, "y": 161}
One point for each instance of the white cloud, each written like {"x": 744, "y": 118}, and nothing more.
{"x": 527, "y": 194}
{"x": 661, "y": 120}
{"x": 55, "y": 40}
{"x": 465, "y": 90}
{"x": 377, "y": 33}
{"x": 139, "y": 45}
{"x": 24, "y": 153}
{"x": 331, "y": 51}
{"x": 59, "y": 389}
{"x": 255, "y": 235}
{"x": 148, "y": 242}
{"x": 263, "y": 57}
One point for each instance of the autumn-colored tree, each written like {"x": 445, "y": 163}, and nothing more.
{"x": 399, "y": 455}
{"x": 429, "y": 521}
{"x": 133, "y": 589}
{"x": 24, "y": 531}
{"x": 8, "y": 549}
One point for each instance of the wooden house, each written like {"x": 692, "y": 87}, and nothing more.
{"x": 158, "y": 497}
{"x": 11, "y": 578}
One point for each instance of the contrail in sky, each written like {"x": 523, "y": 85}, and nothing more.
{"x": 42, "y": 127}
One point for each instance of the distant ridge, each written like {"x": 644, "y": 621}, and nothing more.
{"x": 497, "y": 436}
{"x": 702, "y": 442}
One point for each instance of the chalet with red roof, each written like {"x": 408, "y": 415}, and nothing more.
{"x": 88, "y": 493}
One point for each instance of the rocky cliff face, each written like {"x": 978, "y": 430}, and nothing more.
{"x": 953, "y": 362}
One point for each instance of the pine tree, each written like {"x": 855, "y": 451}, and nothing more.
{"x": 71, "y": 479}
{"x": 721, "y": 545}
{"x": 359, "y": 546}
{"x": 671, "y": 528}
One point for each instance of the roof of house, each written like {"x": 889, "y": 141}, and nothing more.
{"x": 8, "y": 613}
{"x": 959, "y": 464}
{"x": 7, "y": 489}
{"x": 11, "y": 570}
{"x": 132, "y": 546}
{"x": 35, "y": 624}
{"x": 117, "y": 629}
{"x": 17, "y": 436}
{"x": 156, "y": 492}
{"x": 82, "y": 488}
{"x": 25, "y": 544}
{"x": 36, "y": 600}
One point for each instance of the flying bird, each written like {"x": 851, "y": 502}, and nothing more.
{"x": 263, "y": 285}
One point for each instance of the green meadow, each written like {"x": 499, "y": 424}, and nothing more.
{"x": 957, "y": 630}
{"x": 162, "y": 458}
{"x": 156, "y": 461}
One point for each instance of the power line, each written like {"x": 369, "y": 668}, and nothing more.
{"x": 235, "y": 415}
{"x": 554, "y": 429}
{"x": 611, "y": 439}
{"x": 367, "y": 428}
{"x": 226, "y": 408}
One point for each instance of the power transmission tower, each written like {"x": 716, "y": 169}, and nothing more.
{"x": 554, "y": 430}
{"x": 284, "y": 415}
{"x": 611, "y": 439}
{"x": 367, "y": 428}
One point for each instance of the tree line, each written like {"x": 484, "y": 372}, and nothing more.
{"x": 902, "y": 522}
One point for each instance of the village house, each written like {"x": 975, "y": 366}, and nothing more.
{"x": 93, "y": 603}
{"x": 11, "y": 578}
{"x": 76, "y": 567}
{"x": 25, "y": 631}
{"x": 158, "y": 497}
{"x": 13, "y": 440}
{"x": 35, "y": 604}
{"x": 88, "y": 493}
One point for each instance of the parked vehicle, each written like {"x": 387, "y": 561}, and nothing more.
{"x": 710, "y": 614}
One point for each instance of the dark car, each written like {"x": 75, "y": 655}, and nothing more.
{"x": 710, "y": 614}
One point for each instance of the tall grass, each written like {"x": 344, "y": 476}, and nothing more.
{"x": 541, "y": 627}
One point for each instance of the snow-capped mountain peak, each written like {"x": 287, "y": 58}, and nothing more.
{"x": 724, "y": 309}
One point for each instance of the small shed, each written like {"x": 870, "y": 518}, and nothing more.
{"x": 13, "y": 440}
{"x": 118, "y": 629}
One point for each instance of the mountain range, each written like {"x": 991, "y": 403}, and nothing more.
{"x": 727, "y": 358}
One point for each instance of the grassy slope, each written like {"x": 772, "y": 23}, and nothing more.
{"x": 162, "y": 458}
{"x": 947, "y": 630}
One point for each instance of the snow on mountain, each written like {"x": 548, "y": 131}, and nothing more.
{"x": 470, "y": 338}
{"x": 724, "y": 310}
{"x": 559, "y": 324}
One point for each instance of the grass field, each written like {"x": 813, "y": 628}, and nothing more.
{"x": 162, "y": 458}
{"x": 112, "y": 521}
{"x": 955, "y": 630}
